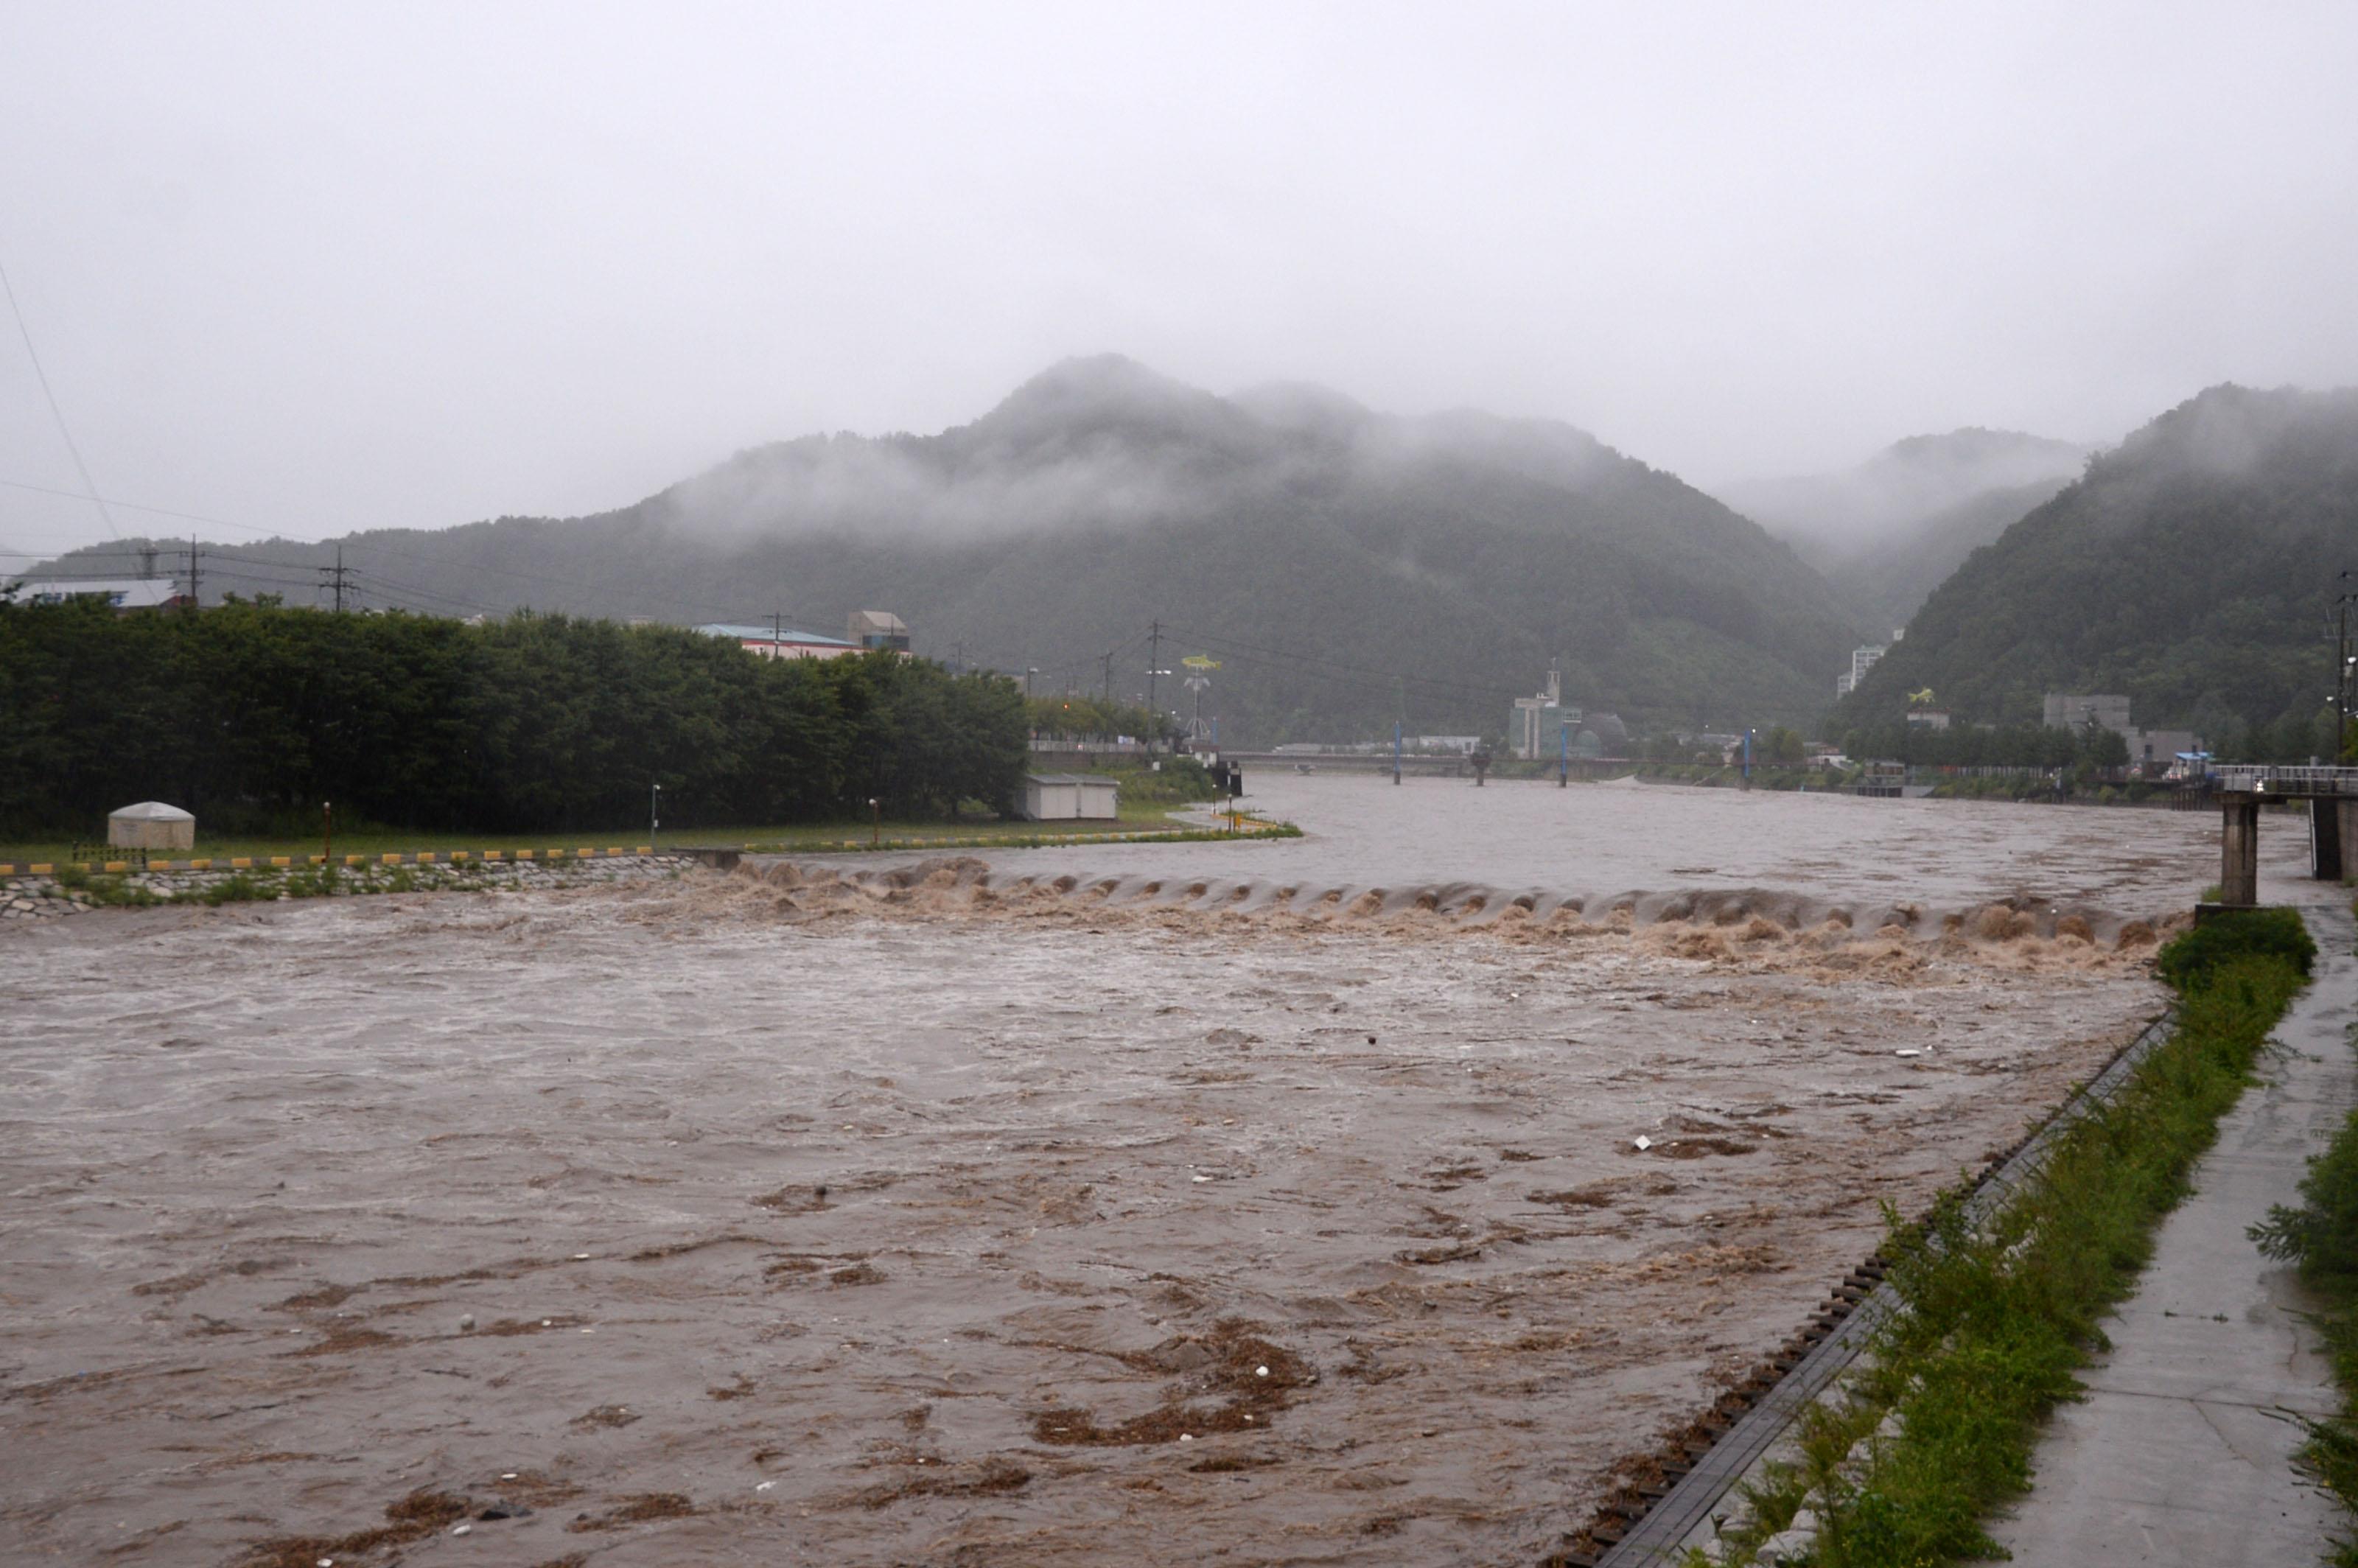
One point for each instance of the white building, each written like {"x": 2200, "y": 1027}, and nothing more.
{"x": 1068, "y": 797}
{"x": 120, "y": 592}
{"x": 1861, "y": 661}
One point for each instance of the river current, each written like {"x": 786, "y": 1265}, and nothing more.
{"x": 1138, "y": 1203}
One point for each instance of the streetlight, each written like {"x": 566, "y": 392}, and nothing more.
{"x": 876, "y": 825}
{"x": 1028, "y": 673}
{"x": 654, "y": 816}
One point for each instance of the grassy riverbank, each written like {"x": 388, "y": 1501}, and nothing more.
{"x": 1997, "y": 1322}
{"x": 2320, "y": 1234}
{"x": 788, "y": 838}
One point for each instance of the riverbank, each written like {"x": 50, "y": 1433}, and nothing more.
{"x": 217, "y": 852}
{"x": 56, "y": 892}
{"x": 1992, "y": 1309}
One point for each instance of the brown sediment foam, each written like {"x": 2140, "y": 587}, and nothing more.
{"x": 1230, "y": 1380}
{"x": 1749, "y": 927}
{"x": 422, "y": 1513}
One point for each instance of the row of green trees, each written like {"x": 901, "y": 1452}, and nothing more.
{"x": 1075, "y": 715}
{"x": 1971, "y": 746}
{"x": 253, "y": 714}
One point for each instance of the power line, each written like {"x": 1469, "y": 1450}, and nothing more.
{"x": 55, "y": 412}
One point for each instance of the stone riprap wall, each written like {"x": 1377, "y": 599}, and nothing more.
{"x": 27, "y": 897}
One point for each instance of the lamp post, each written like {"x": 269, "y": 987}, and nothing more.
{"x": 876, "y": 823}
{"x": 654, "y": 815}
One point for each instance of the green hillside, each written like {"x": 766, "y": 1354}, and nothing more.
{"x": 1348, "y": 568}
{"x": 2194, "y": 568}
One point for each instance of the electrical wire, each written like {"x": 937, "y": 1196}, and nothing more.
{"x": 56, "y": 413}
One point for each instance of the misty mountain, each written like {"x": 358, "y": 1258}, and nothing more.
{"x": 1889, "y": 531}
{"x": 1349, "y": 567}
{"x": 2193, "y": 568}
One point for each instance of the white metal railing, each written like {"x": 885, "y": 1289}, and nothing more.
{"x": 2264, "y": 779}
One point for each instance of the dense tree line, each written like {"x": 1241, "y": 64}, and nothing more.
{"x": 251, "y": 715}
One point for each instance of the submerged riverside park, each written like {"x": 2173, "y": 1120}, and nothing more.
{"x": 1272, "y": 1202}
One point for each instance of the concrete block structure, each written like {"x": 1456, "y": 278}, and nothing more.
{"x": 1068, "y": 797}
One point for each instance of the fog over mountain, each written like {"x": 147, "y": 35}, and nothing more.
{"x": 1889, "y": 531}
{"x": 2193, "y": 568}
{"x": 1350, "y": 567}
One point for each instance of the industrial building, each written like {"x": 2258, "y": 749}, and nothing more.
{"x": 781, "y": 642}
{"x": 2148, "y": 749}
{"x": 120, "y": 592}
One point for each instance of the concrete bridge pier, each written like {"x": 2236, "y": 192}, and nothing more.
{"x": 2326, "y": 819}
{"x": 2239, "y": 851}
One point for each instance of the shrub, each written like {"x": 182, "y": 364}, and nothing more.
{"x": 2191, "y": 959}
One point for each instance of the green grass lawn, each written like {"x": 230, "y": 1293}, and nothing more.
{"x": 783, "y": 839}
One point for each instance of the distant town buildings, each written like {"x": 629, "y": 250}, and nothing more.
{"x": 1861, "y": 661}
{"x": 2110, "y": 710}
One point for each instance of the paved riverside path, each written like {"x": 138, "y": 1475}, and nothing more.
{"x": 2182, "y": 1453}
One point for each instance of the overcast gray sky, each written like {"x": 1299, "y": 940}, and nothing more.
{"x": 320, "y": 267}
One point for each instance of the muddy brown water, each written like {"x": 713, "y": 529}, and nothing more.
{"x": 956, "y": 1220}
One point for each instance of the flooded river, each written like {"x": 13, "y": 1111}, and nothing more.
{"x": 1129, "y": 1203}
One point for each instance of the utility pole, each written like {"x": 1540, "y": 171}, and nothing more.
{"x": 2340, "y": 701}
{"x": 1396, "y": 750}
{"x": 1154, "y": 661}
{"x": 335, "y": 576}
{"x": 777, "y": 632}
{"x": 1108, "y": 673}
{"x": 192, "y": 571}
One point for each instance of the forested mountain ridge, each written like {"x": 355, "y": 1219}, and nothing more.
{"x": 1319, "y": 549}
{"x": 1889, "y": 531}
{"x": 2193, "y": 568}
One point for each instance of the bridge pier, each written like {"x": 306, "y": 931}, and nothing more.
{"x": 2239, "y": 851}
{"x": 2326, "y": 817}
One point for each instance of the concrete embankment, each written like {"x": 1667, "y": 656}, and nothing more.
{"x": 2183, "y": 1450}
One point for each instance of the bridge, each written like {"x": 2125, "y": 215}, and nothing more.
{"x": 2332, "y": 797}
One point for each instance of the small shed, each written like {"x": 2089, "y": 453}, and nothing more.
{"x": 151, "y": 825}
{"x": 1065, "y": 797}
